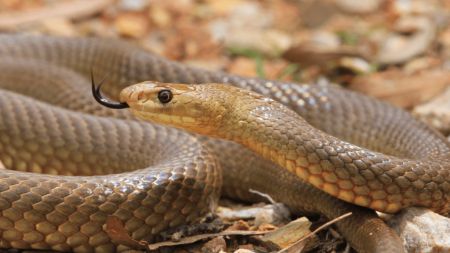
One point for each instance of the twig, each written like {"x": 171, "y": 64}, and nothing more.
{"x": 299, "y": 242}
{"x": 264, "y": 195}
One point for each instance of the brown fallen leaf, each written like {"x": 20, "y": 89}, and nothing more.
{"x": 397, "y": 48}
{"x": 239, "y": 225}
{"x": 402, "y": 89}
{"x": 116, "y": 231}
{"x": 130, "y": 24}
{"x": 65, "y": 9}
{"x": 308, "y": 54}
{"x": 290, "y": 233}
{"x": 59, "y": 26}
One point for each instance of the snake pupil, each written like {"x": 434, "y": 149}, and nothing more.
{"x": 165, "y": 96}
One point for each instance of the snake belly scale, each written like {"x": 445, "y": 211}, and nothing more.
{"x": 153, "y": 177}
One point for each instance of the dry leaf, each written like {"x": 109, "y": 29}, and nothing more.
{"x": 302, "y": 243}
{"x": 308, "y": 54}
{"x": 131, "y": 24}
{"x": 401, "y": 89}
{"x": 397, "y": 48}
{"x": 64, "y": 9}
{"x": 116, "y": 231}
{"x": 290, "y": 233}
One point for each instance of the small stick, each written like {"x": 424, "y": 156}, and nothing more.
{"x": 298, "y": 243}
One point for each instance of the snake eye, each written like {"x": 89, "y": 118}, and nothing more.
{"x": 165, "y": 96}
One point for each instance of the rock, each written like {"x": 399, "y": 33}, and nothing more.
{"x": 267, "y": 214}
{"x": 252, "y": 16}
{"x": 247, "y": 26}
{"x": 355, "y": 64}
{"x": 324, "y": 38}
{"x": 422, "y": 230}
{"x": 243, "y": 251}
{"x": 133, "y": 5}
{"x": 396, "y": 48}
{"x": 359, "y": 7}
{"x": 248, "y": 246}
{"x": 436, "y": 112}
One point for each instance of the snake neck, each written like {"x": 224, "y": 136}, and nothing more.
{"x": 341, "y": 169}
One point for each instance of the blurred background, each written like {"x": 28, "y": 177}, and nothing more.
{"x": 395, "y": 50}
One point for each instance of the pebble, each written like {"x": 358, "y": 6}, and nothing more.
{"x": 436, "y": 112}
{"x": 243, "y": 251}
{"x": 133, "y": 5}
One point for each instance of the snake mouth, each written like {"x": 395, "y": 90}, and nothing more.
{"x": 102, "y": 100}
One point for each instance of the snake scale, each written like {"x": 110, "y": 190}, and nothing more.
{"x": 154, "y": 178}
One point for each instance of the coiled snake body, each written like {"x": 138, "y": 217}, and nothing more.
{"x": 162, "y": 178}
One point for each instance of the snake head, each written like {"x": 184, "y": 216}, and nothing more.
{"x": 190, "y": 107}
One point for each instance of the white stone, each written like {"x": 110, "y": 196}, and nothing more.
{"x": 422, "y": 230}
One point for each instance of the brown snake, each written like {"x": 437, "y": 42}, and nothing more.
{"x": 162, "y": 178}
